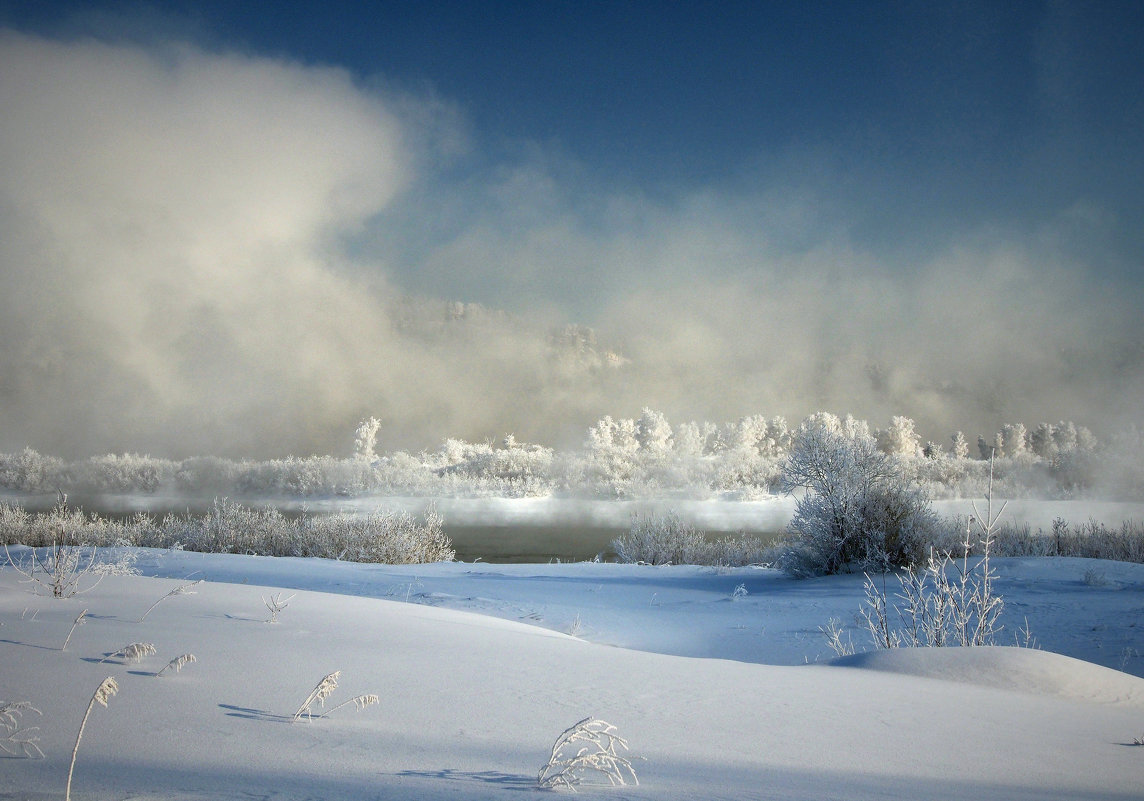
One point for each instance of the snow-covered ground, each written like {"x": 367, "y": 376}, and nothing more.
{"x": 722, "y": 695}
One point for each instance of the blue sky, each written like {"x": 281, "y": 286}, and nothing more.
{"x": 878, "y": 208}
{"x": 935, "y": 115}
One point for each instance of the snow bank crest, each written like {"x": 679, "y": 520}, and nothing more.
{"x": 1008, "y": 668}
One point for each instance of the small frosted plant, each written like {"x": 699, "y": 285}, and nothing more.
{"x": 183, "y": 589}
{"x": 15, "y": 739}
{"x": 276, "y": 604}
{"x": 131, "y": 653}
{"x": 739, "y": 593}
{"x": 833, "y": 632}
{"x": 62, "y": 569}
{"x": 103, "y": 694}
{"x": 177, "y": 664}
{"x": 319, "y": 694}
{"x": 947, "y": 601}
{"x": 79, "y": 621}
{"x": 586, "y": 748}
{"x": 1095, "y": 578}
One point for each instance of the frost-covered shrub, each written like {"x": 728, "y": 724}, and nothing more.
{"x": 207, "y": 475}
{"x": 381, "y": 537}
{"x": 228, "y": 527}
{"x": 29, "y": 471}
{"x": 514, "y": 470}
{"x": 129, "y": 472}
{"x": 659, "y": 540}
{"x": 1091, "y": 540}
{"x": 947, "y": 601}
{"x": 746, "y": 472}
{"x": 667, "y": 539}
{"x": 858, "y": 508}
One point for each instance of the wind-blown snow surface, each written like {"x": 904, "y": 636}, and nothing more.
{"x": 477, "y": 678}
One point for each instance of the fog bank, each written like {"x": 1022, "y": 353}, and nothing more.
{"x": 213, "y": 252}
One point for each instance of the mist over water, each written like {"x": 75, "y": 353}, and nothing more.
{"x": 216, "y": 253}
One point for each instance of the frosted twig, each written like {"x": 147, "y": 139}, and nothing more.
{"x": 276, "y": 604}
{"x": 103, "y": 694}
{"x": 833, "y": 632}
{"x": 182, "y": 589}
{"x": 360, "y": 701}
{"x": 131, "y": 653}
{"x": 319, "y": 694}
{"x": 177, "y": 663}
{"x": 79, "y": 621}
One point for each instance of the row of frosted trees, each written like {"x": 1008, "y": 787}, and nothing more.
{"x": 651, "y": 434}
{"x": 621, "y": 457}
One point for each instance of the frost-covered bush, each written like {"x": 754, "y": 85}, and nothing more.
{"x": 669, "y": 540}
{"x": 207, "y": 475}
{"x": 29, "y": 471}
{"x": 515, "y": 469}
{"x": 947, "y": 601}
{"x": 1091, "y": 540}
{"x": 381, "y": 537}
{"x": 129, "y": 472}
{"x": 229, "y": 527}
{"x": 857, "y": 508}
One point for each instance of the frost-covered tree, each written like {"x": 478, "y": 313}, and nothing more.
{"x": 900, "y": 439}
{"x": 1065, "y": 436}
{"x": 858, "y": 509}
{"x": 1011, "y": 440}
{"x": 854, "y": 428}
{"x": 824, "y": 421}
{"x": 365, "y": 438}
{"x": 613, "y": 436}
{"x": 984, "y": 448}
{"x": 778, "y": 437}
{"x": 689, "y": 440}
{"x": 1041, "y": 440}
{"x": 748, "y": 434}
{"x": 653, "y": 433}
{"x": 931, "y": 450}
{"x": 1085, "y": 440}
{"x": 960, "y": 446}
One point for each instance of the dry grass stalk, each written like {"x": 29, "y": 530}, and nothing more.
{"x": 319, "y": 694}
{"x": 103, "y": 694}
{"x": 177, "y": 663}
{"x": 131, "y": 653}
{"x": 184, "y": 589}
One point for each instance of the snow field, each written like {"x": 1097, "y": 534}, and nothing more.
{"x": 706, "y": 689}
